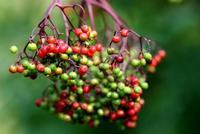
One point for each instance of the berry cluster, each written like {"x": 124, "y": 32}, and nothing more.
{"x": 92, "y": 82}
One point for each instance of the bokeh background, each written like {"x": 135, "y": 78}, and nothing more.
{"x": 172, "y": 103}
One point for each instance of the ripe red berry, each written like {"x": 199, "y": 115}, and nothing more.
{"x": 83, "y": 69}
{"x": 113, "y": 116}
{"x": 75, "y": 105}
{"x": 119, "y": 59}
{"x": 76, "y": 49}
{"x": 157, "y": 58}
{"x": 131, "y": 112}
{"x": 131, "y": 104}
{"x": 162, "y": 53}
{"x": 135, "y": 95}
{"x": 60, "y": 42}
{"x": 84, "y": 50}
{"x": 41, "y": 54}
{"x": 73, "y": 88}
{"x": 85, "y": 28}
{"x": 60, "y": 105}
{"x": 63, "y": 48}
{"x": 20, "y": 69}
{"x": 154, "y": 63}
{"x": 130, "y": 124}
{"x": 40, "y": 67}
{"x": 38, "y": 102}
{"x": 123, "y": 102}
{"x": 99, "y": 47}
{"x": 90, "y": 54}
{"x": 86, "y": 89}
{"x": 116, "y": 39}
{"x": 51, "y": 40}
{"x": 78, "y": 31}
{"x": 134, "y": 81}
{"x": 51, "y": 48}
{"x": 124, "y": 32}
{"x": 92, "y": 49}
{"x": 84, "y": 106}
{"x": 120, "y": 113}
{"x": 63, "y": 95}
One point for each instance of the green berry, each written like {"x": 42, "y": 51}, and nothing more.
{"x": 135, "y": 62}
{"x": 127, "y": 90}
{"x": 144, "y": 85}
{"x": 84, "y": 60}
{"x": 53, "y": 67}
{"x": 64, "y": 56}
{"x": 137, "y": 89}
{"x": 69, "y": 50}
{"x": 13, "y": 49}
{"x": 121, "y": 86}
{"x": 94, "y": 81}
{"x": 90, "y": 63}
{"x": 143, "y": 62}
{"x": 100, "y": 112}
{"x": 72, "y": 75}
{"x": 105, "y": 90}
{"x": 90, "y": 108}
{"x": 25, "y": 63}
{"x": 116, "y": 71}
{"x": 80, "y": 90}
{"x": 75, "y": 57}
{"x": 80, "y": 83}
{"x": 47, "y": 70}
{"x": 32, "y": 47}
{"x": 111, "y": 78}
{"x": 31, "y": 66}
{"x": 148, "y": 56}
{"x": 115, "y": 95}
{"x": 113, "y": 85}
{"x": 64, "y": 76}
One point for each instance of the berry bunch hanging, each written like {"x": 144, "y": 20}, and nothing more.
{"x": 94, "y": 79}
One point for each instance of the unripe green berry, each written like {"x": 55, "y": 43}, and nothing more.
{"x": 84, "y": 60}
{"x": 148, "y": 56}
{"x": 31, "y": 66}
{"x": 116, "y": 71}
{"x": 113, "y": 85}
{"x": 32, "y": 47}
{"x": 100, "y": 112}
{"x": 143, "y": 62}
{"x": 90, "y": 63}
{"x": 111, "y": 78}
{"x": 106, "y": 66}
{"x": 121, "y": 86}
{"x": 80, "y": 90}
{"x": 64, "y": 76}
{"x": 94, "y": 81}
{"x": 75, "y": 57}
{"x": 137, "y": 89}
{"x": 105, "y": 90}
{"x": 25, "y": 63}
{"x": 116, "y": 102}
{"x": 64, "y": 56}
{"x": 53, "y": 67}
{"x": 144, "y": 85}
{"x": 135, "y": 62}
{"x": 115, "y": 95}
{"x": 13, "y": 49}
{"x": 47, "y": 71}
{"x": 72, "y": 75}
{"x": 127, "y": 90}
{"x": 69, "y": 50}
{"x": 80, "y": 83}
{"x": 90, "y": 108}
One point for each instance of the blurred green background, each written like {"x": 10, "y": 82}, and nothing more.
{"x": 172, "y": 103}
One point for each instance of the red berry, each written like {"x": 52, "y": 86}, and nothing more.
{"x": 154, "y": 63}
{"x": 63, "y": 95}
{"x": 73, "y": 88}
{"x": 123, "y": 102}
{"x": 92, "y": 49}
{"x": 51, "y": 48}
{"x": 84, "y": 50}
{"x": 119, "y": 59}
{"x": 38, "y": 102}
{"x": 75, "y": 105}
{"x": 90, "y": 54}
{"x": 51, "y": 40}
{"x": 134, "y": 95}
{"x": 76, "y": 49}
{"x": 83, "y": 69}
{"x": 162, "y": 53}
{"x": 40, "y": 67}
{"x": 60, "y": 105}
{"x": 124, "y": 32}
{"x": 99, "y": 47}
{"x": 113, "y": 116}
{"x": 157, "y": 58}
{"x": 116, "y": 39}
{"x": 41, "y": 54}
{"x": 131, "y": 112}
{"x": 130, "y": 124}
{"x": 85, "y": 28}
{"x": 134, "y": 118}
{"x": 120, "y": 113}
{"x": 84, "y": 106}
{"x": 86, "y": 89}
{"x": 134, "y": 81}
{"x": 63, "y": 48}
{"x": 78, "y": 31}
{"x": 60, "y": 42}
{"x": 131, "y": 104}
{"x": 83, "y": 37}
{"x": 20, "y": 69}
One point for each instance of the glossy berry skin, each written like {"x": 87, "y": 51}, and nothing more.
{"x": 124, "y": 32}
{"x": 99, "y": 47}
{"x": 51, "y": 40}
{"x": 76, "y": 49}
{"x": 13, "y": 49}
{"x": 83, "y": 37}
{"x": 119, "y": 59}
{"x": 78, "y": 31}
{"x": 116, "y": 39}
{"x": 40, "y": 67}
{"x": 20, "y": 69}
{"x": 13, "y": 69}
{"x": 63, "y": 48}
{"x": 75, "y": 105}
{"x": 86, "y": 89}
{"x": 92, "y": 49}
{"x": 162, "y": 53}
{"x": 84, "y": 50}
{"x": 38, "y": 102}
{"x": 83, "y": 69}
{"x": 32, "y": 47}
{"x": 85, "y": 28}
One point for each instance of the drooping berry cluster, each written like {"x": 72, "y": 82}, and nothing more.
{"x": 92, "y": 82}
